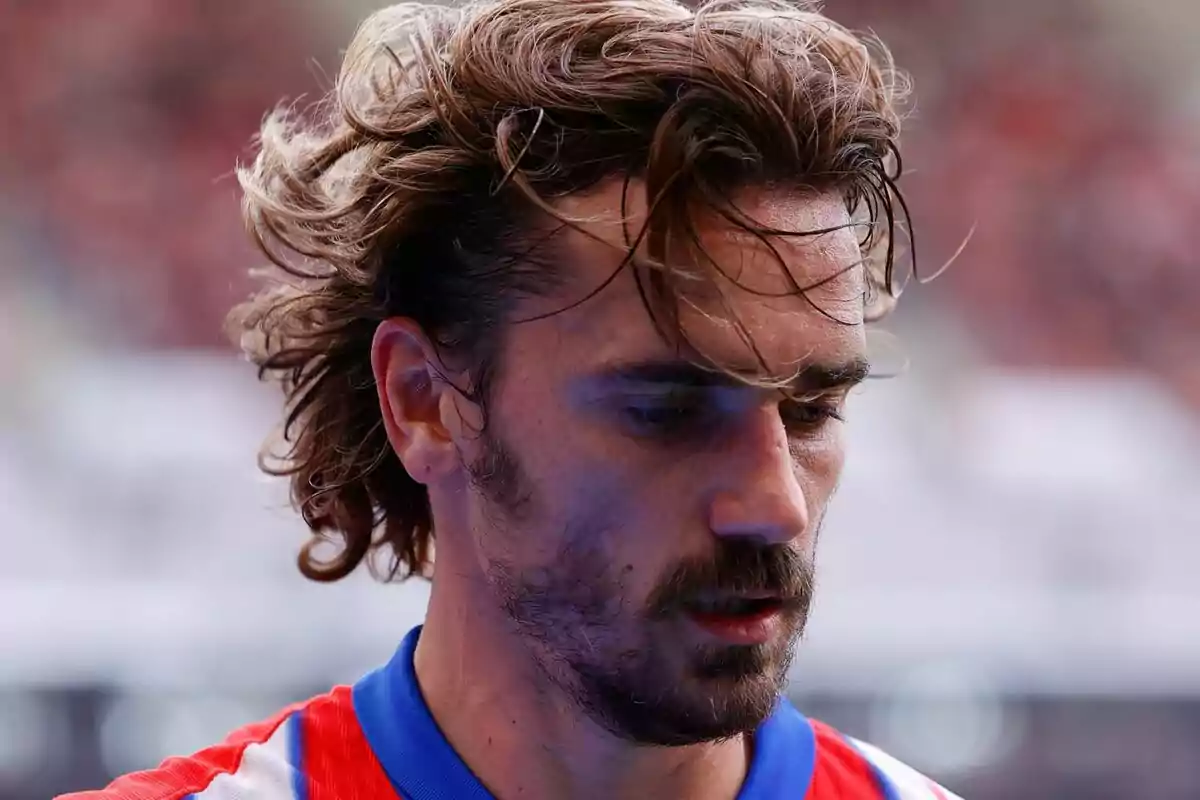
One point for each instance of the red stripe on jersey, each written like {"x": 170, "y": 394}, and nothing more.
{"x": 840, "y": 770}
{"x": 178, "y": 777}
{"x": 338, "y": 761}
{"x": 937, "y": 790}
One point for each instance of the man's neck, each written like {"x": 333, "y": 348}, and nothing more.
{"x": 523, "y": 739}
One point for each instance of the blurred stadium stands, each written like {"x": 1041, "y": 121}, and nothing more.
{"x": 1008, "y": 581}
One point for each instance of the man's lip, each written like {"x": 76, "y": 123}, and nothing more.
{"x": 752, "y": 594}
{"x": 742, "y": 629}
{"x": 754, "y": 597}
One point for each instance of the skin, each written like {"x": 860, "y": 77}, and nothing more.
{"x": 557, "y": 655}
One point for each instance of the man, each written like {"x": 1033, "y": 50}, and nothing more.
{"x": 580, "y": 288}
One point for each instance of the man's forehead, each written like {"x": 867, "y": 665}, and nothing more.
{"x": 820, "y": 256}
{"x": 790, "y": 241}
{"x": 795, "y": 298}
{"x": 771, "y": 343}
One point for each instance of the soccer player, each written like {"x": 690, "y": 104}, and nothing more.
{"x": 573, "y": 294}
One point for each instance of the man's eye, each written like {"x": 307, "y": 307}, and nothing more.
{"x": 810, "y": 415}
{"x": 670, "y": 414}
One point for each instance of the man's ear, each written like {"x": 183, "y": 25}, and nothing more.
{"x": 408, "y": 377}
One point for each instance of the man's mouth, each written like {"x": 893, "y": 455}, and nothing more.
{"x": 735, "y": 606}
{"x": 739, "y": 619}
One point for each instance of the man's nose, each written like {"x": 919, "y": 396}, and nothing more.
{"x": 761, "y": 496}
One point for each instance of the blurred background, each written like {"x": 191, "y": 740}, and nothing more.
{"x": 1009, "y": 597}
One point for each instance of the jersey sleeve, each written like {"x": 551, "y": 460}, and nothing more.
{"x": 847, "y": 767}
{"x": 904, "y": 782}
{"x": 258, "y": 762}
{"x": 313, "y": 750}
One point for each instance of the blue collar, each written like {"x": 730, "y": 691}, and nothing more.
{"x": 423, "y": 766}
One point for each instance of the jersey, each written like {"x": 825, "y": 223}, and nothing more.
{"x": 376, "y": 740}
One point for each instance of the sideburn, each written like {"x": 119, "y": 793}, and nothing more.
{"x": 499, "y": 477}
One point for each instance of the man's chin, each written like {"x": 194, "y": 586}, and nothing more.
{"x": 684, "y": 710}
{"x": 724, "y": 703}
{"x": 724, "y": 714}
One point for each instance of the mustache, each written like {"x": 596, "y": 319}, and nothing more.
{"x": 739, "y": 566}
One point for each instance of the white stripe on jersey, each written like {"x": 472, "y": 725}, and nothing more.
{"x": 265, "y": 773}
{"x": 911, "y": 784}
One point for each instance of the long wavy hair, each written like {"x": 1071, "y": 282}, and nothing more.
{"x": 422, "y": 185}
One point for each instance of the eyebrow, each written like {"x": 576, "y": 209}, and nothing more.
{"x": 815, "y": 376}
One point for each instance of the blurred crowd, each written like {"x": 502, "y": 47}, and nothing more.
{"x": 1078, "y": 187}
{"x": 123, "y": 122}
{"x": 1075, "y": 184}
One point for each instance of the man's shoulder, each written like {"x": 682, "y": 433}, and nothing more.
{"x": 285, "y": 757}
{"x": 848, "y": 767}
{"x": 257, "y": 759}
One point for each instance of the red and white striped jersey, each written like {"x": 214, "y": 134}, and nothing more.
{"x": 376, "y": 740}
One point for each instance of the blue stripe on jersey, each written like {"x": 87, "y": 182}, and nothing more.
{"x": 295, "y": 734}
{"x": 785, "y": 755}
{"x": 407, "y": 741}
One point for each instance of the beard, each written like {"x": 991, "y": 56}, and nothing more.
{"x": 635, "y": 671}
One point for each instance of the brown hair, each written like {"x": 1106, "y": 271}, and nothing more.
{"x": 414, "y": 190}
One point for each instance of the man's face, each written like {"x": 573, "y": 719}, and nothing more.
{"x": 648, "y": 527}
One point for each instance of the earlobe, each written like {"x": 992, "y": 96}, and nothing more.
{"x": 407, "y": 372}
